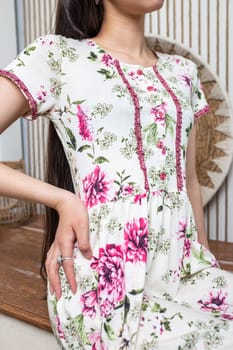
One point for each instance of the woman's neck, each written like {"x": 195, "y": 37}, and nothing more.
{"x": 123, "y": 37}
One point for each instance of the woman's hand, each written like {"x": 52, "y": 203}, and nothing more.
{"x": 73, "y": 227}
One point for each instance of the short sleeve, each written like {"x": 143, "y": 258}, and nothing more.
{"x": 198, "y": 100}
{"x": 36, "y": 71}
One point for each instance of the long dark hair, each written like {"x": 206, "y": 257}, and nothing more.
{"x": 77, "y": 19}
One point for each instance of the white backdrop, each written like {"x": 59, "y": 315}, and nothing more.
{"x": 9, "y": 150}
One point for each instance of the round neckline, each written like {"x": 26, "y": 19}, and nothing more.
{"x": 122, "y": 63}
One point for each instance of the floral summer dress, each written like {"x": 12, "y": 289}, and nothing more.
{"x": 124, "y": 129}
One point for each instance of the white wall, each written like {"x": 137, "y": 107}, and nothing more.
{"x": 17, "y": 335}
{"x": 10, "y": 140}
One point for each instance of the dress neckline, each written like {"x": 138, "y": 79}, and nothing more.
{"x": 93, "y": 43}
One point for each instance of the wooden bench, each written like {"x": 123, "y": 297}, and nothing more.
{"x": 22, "y": 291}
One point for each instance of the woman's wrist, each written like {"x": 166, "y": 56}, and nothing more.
{"x": 66, "y": 198}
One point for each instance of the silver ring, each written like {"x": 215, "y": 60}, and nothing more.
{"x": 60, "y": 259}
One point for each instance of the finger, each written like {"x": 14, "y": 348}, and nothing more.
{"x": 67, "y": 250}
{"x": 82, "y": 234}
{"x": 52, "y": 269}
{"x": 68, "y": 266}
{"x": 54, "y": 282}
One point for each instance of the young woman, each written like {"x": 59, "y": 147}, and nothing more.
{"x": 127, "y": 259}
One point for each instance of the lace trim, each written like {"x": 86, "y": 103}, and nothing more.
{"x": 178, "y": 128}
{"x": 202, "y": 112}
{"x": 24, "y": 89}
{"x": 137, "y": 123}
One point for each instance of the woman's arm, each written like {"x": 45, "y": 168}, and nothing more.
{"x": 73, "y": 219}
{"x": 193, "y": 189}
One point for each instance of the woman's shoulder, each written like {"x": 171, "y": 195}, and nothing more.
{"x": 177, "y": 62}
{"x": 55, "y": 40}
{"x": 56, "y": 43}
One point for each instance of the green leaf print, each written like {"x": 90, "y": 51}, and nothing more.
{"x": 110, "y": 332}
{"x": 152, "y": 134}
{"x": 84, "y": 148}
{"x": 136, "y": 291}
{"x": 54, "y": 303}
{"x": 68, "y": 100}
{"x": 127, "y": 308}
{"x": 21, "y": 63}
{"x": 100, "y": 160}
{"x": 29, "y": 50}
{"x": 107, "y": 73}
{"x": 79, "y": 325}
{"x": 72, "y": 142}
{"x": 200, "y": 256}
{"x": 93, "y": 57}
{"x": 166, "y": 324}
{"x": 155, "y": 308}
{"x": 160, "y": 208}
{"x": 79, "y": 102}
{"x": 170, "y": 122}
{"x": 188, "y": 129}
{"x": 90, "y": 155}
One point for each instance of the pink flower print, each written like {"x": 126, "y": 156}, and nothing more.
{"x": 159, "y": 113}
{"x": 161, "y": 331}
{"x": 228, "y": 314}
{"x": 216, "y": 301}
{"x": 110, "y": 268}
{"x": 214, "y": 262}
{"x": 107, "y": 304}
{"x": 162, "y": 146}
{"x": 127, "y": 189}
{"x": 187, "y": 247}
{"x": 182, "y": 229}
{"x": 187, "y": 80}
{"x": 90, "y": 43}
{"x": 136, "y": 240}
{"x": 107, "y": 60}
{"x": 84, "y": 131}
{"x": 96, "y": 342}
{"x": 151, "y": 88}
{"x": 41, "y": 94}
{"x": 131, "y": 74}
{"x": 139, "y": 72}
{"x": 89, "y": 301}
{"x": 157, "y": 193}
{"x": 46, "y": 41}
{"x": 138, "y": 198}
{"x": 96, "y": 187}
{"x": 162, "y": 176}
{"x": 59, "y": 328}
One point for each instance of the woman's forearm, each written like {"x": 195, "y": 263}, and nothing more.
{"x": 18, "y": 185}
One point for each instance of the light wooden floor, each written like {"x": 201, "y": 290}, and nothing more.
{"x": 22, "y": 292}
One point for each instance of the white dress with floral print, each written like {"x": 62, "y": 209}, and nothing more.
{"x": 124, "y": 129}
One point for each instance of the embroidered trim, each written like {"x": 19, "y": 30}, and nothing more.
{"x": 137, "y": 123}
{"x": 178, "y": 128}
{"x": 24, "y": 90}
{"x": 202, "y": 112}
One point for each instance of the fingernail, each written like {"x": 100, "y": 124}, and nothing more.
{"x": 89, "y": 255}
{"x": 58, "y": 294}
{"x": 74, "y": 290}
